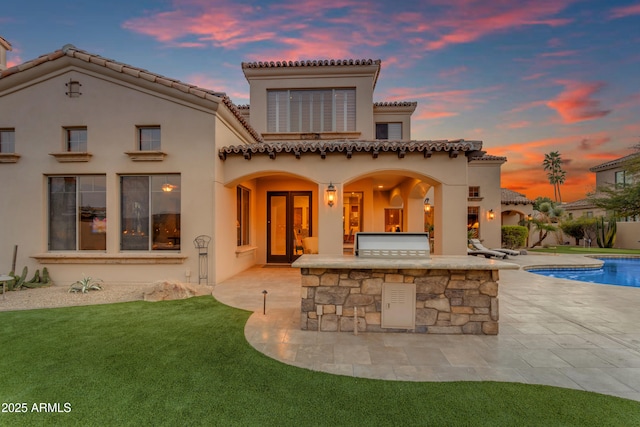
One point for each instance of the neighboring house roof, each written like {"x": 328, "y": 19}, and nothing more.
{"x": 349, "y": 147}
{"x": 613, "y": 163}
{"x": 510, "y": 197}
{"x": 72, "y": 52}
{"x": 578, "y": 204}
{"x": 5, "y": 44}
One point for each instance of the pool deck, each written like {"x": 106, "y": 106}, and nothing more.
{"x": 552, "y": 331}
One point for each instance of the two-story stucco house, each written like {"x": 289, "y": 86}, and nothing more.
{"x": 611, "y": 173}
{"x": 114, "y": 171}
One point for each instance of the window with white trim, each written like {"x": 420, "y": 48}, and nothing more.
{"x": 390, "y": 131}
{"x": 77, "y": 213}
{"x": 243, "y": 196}
{"x": 323, "y": 110}
{"x": 150, "y": 212}
{"x": 7, "y": 141}
{"x": 76, "y": 140}
{"x": 149, "y": 138}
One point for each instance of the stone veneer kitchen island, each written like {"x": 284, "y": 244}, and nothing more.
{"x": 437, "y": 295}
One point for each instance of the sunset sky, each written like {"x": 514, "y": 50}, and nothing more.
{"x": 526, "y": 77}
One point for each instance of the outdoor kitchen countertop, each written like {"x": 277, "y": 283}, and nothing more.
{"x": 435, "y": 262}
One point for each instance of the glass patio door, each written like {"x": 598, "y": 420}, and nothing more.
{"x": 288, "y": 223}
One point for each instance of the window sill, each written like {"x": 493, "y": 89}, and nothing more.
{"x": 102, "y": 258}
{"x": 9, "y": 157}
{"x": 146, "y": 156}
{"x": 245, "y": 250}
{"x": 475, "y": 199}
{"x": 72, "y": 156}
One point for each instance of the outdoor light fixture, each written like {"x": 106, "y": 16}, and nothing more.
{"x": 331, "y": 194}
{"x": 427, "y": 206}
{"x": 492, "y": 215}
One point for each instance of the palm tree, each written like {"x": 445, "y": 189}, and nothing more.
{"x": 553, "y": 164}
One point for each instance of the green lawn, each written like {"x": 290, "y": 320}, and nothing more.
{"x": 579, "y": 250}
{"x": 187, "y": 363}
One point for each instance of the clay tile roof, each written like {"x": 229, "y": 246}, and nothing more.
{"x": 510, "y": 197}
{"x": 395, "y": 104}
{"x": 311, "y": 63}
{"x": 481, "y": 155}
{"x": 4, "y": 43}
{"x": 349, "y": 147}
{"x": 71, "y": 51}
{"x": 613, "y": 163}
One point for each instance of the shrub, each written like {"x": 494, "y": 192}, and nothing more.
{"x": 514, "y": 236}
{"x": 85, "y": 285}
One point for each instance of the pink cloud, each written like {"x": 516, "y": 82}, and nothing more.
{"x": 622, "y": 12}
{"x": 534, "y": 76}
{"x": 560, "y": 54}
{"x": 453, "y": 72}
{"x": 292, "y": 26}
{"x": 575, "y": 103}
{"x": 516, "y": 125}
{"x": 470, "y": 20}
{"x": 430, "y": 115}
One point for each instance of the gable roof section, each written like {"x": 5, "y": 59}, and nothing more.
{"x": 613, "y": 163}
{"x": 510, "y": 197}
{"x": 72, "y": 52}
{"x": 5, "y": 44}
{"x": 349, "y": 147}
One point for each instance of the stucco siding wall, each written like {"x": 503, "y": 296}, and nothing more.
{"x": 486, "y": 175}
{"x": 110, "y": 110}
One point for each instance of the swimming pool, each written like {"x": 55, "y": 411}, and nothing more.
{"x": 615, "y": 271}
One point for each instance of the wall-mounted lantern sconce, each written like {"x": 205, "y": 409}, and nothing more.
{"x": 73, "y": 88}
{"x": 331, "y": 194}
{"x": 427, "y": 206}
{"x": 529, "y": 217}
{"x": 492, "y": 214}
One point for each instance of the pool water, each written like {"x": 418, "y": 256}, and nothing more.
{"x": 615, "y": 271}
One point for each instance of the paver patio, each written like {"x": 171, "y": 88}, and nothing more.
{"x": 552, "y": 331}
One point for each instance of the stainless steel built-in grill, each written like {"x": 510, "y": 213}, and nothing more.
{"x": 392, "y": 245}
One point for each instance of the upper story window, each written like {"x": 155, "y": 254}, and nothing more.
{"x": 149, "y": 138}
{"x": 324, "y": 110}
{"x": 7, "y": 141}
{"x": 76, "y": 140}
{"x": 77, "y": 212}
{"x": 474, "y": 191}
{"x": 391, "y": 131}
{"x": 622, "y": 178}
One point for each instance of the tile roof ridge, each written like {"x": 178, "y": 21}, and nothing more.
{"x": 311, "y": 63}
{"x": 395, "y": 103}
